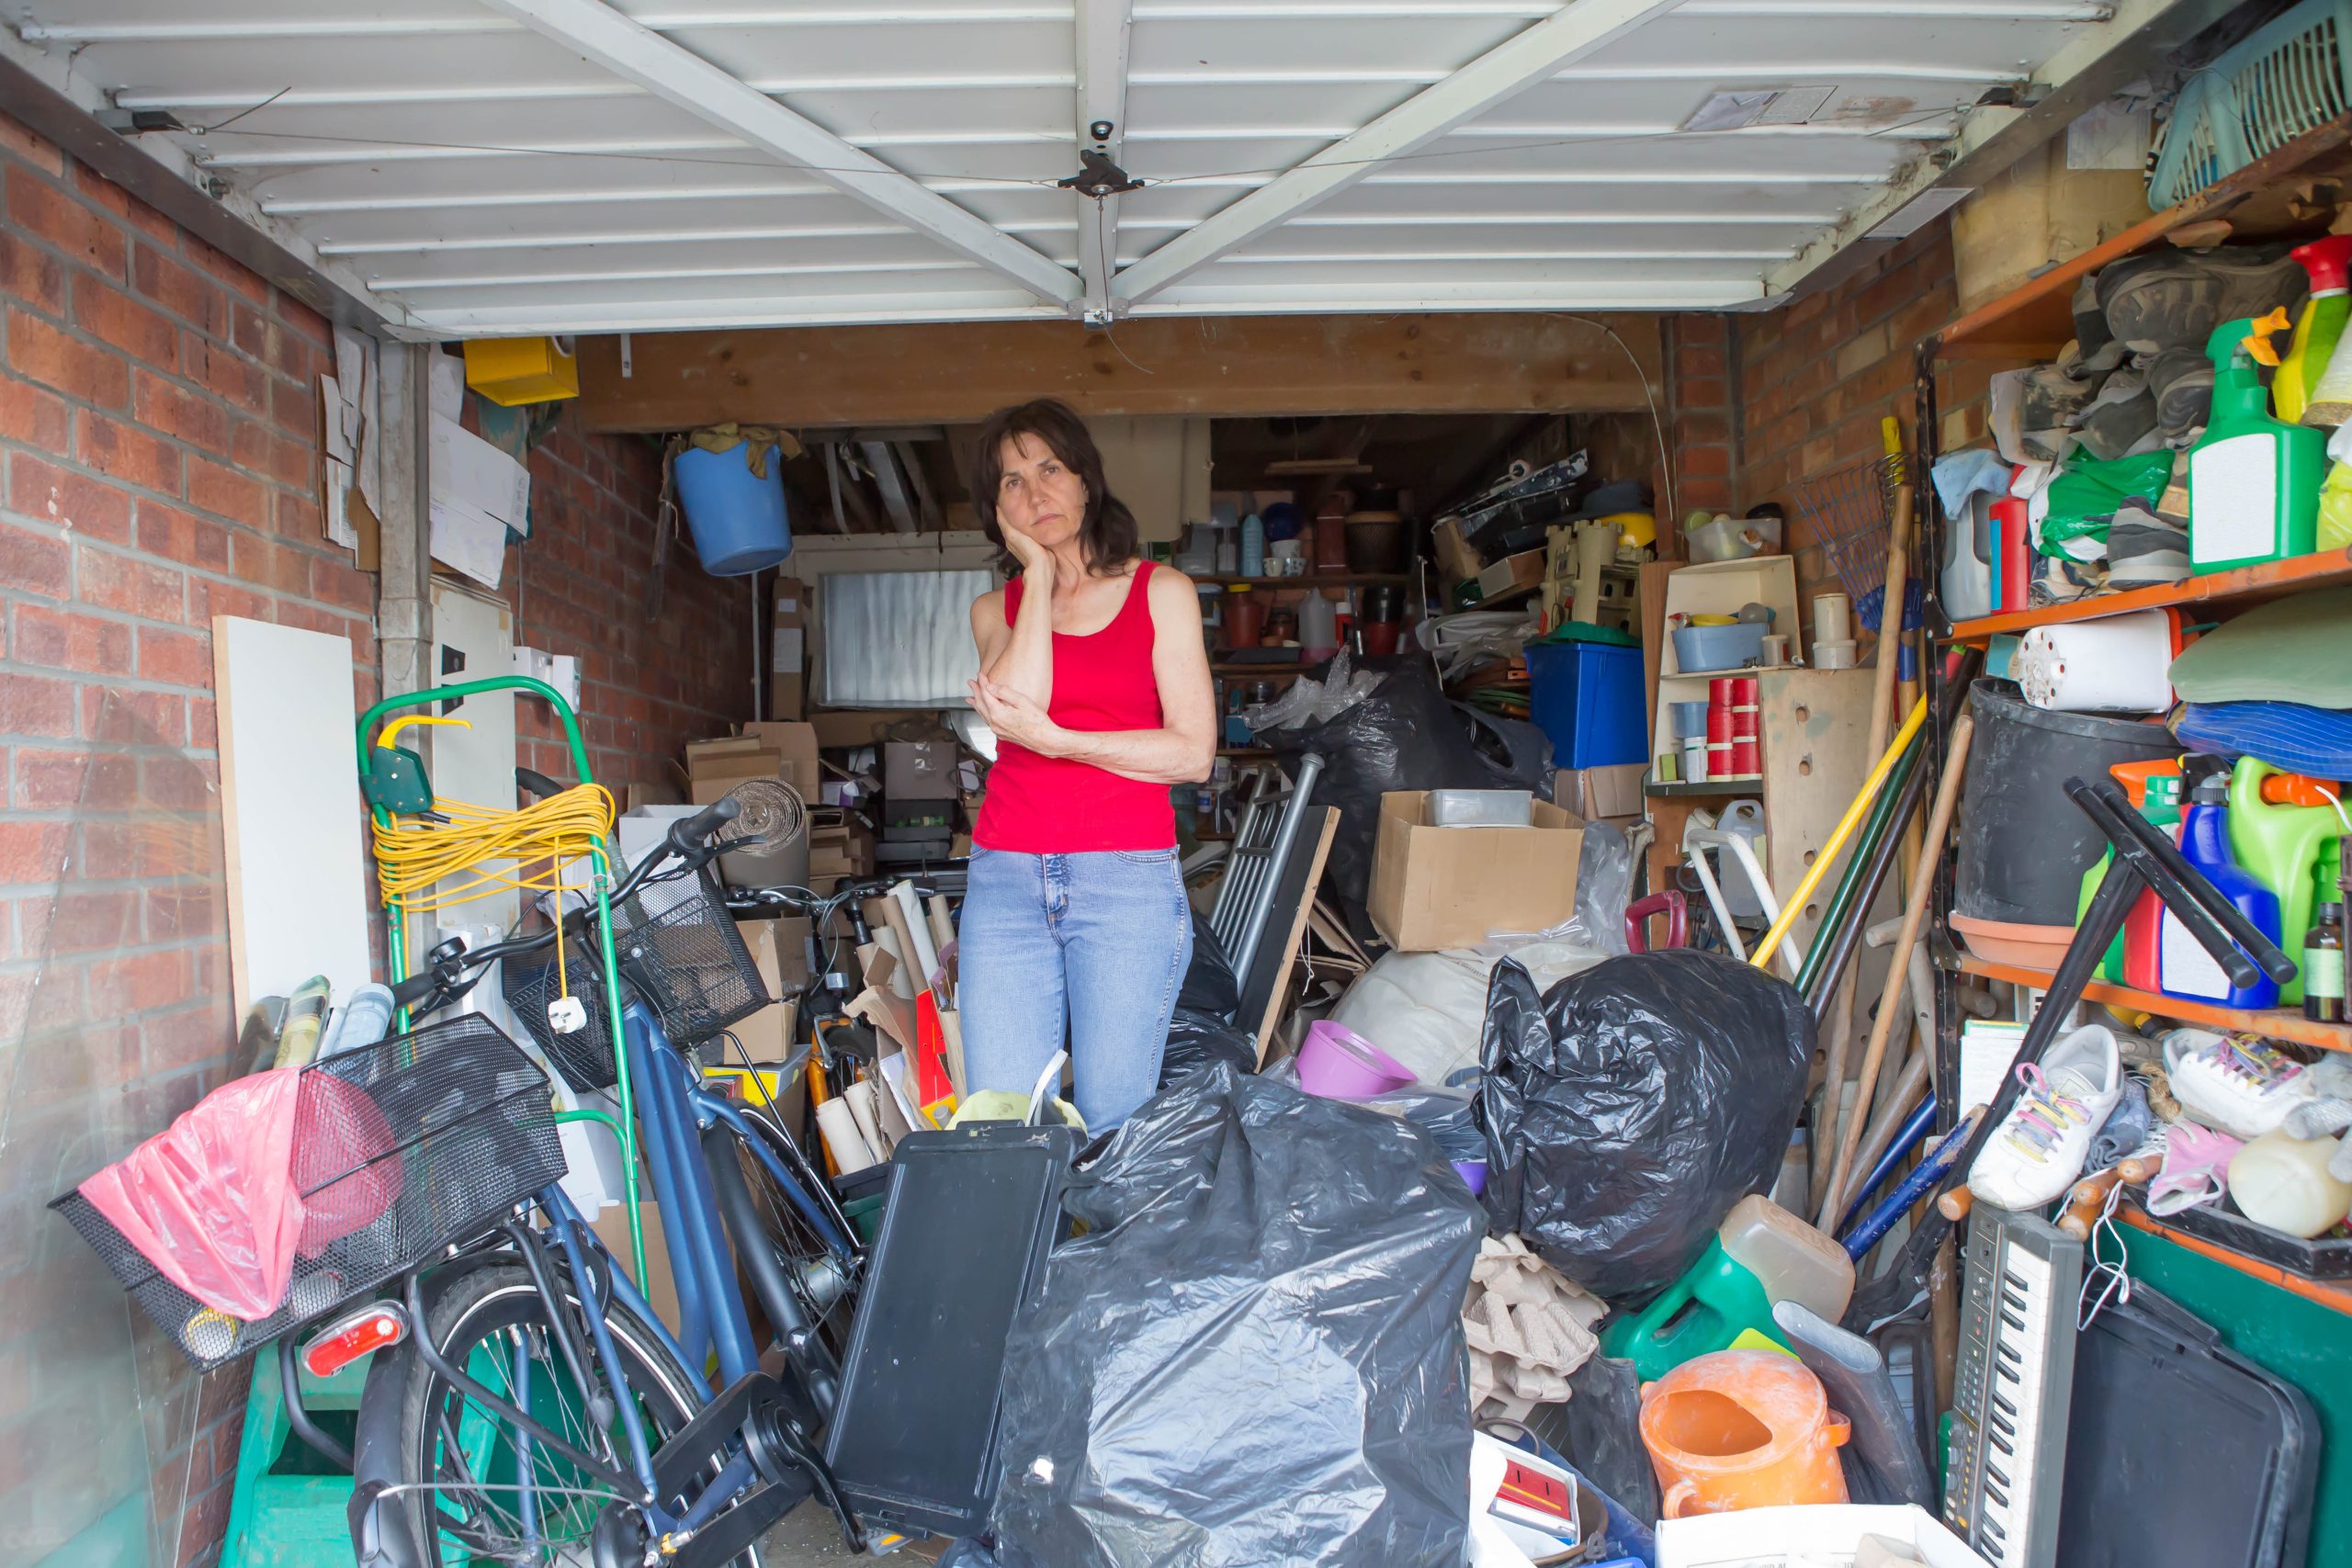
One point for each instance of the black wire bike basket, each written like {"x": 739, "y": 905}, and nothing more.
{"x": 677, "y": 947}
{"x": 399, "y": 1149}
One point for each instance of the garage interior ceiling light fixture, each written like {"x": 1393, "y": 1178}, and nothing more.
{"x": 773, "y": 163}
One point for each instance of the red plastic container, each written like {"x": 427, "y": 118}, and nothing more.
{"x": 1719, "y": 724}
{"x": 1745, "y": 691}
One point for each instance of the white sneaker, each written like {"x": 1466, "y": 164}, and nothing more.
{"x": 2038, "y": 1148}
{"x": 2242, "y": 1087}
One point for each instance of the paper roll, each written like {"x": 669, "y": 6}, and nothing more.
{"x": 865, "y": 1104}
{"x": 1833, "y": 618}
{"x": 843, "y": 1140}
{"x": 1835, "y": 655}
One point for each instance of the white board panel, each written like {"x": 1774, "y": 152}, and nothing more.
{"x": 291, "y": 810}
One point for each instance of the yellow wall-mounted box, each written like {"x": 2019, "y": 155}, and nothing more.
{"x": 511, "y": 370}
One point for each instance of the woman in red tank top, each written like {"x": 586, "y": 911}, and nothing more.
{"x": 1095, "y": 679}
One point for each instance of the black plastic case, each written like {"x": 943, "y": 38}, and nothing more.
{"x": 972, "y": 1214}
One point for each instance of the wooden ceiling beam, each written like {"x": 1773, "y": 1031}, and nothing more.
{"x": 817, "y": 377}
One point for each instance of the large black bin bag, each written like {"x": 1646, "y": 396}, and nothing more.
{"x": 1626, "y": 1111}
{"x": 1254, "y": 1357}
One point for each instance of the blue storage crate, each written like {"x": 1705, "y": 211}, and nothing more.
{"x": 1587, "y": 697}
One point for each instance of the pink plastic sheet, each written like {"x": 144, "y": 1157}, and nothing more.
{"x": 273, "y": 1166}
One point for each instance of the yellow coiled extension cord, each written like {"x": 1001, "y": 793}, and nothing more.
{"x": 414, "y": 855}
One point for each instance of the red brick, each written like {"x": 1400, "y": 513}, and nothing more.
{"x": 34, "y": 417}
{"x": 175, "y": 658}
{"x": 203, "y": 723}
{"x": 134, "y": 718}
{"x": 94, "y": 922}
{"x": 177, "y": 535}
{"x": 22, "y": 140}
{"x": 69, "y": 500}
{"x": 294, "y": 408}
{"x": 127, "y": 583}
{"x": 67, "y": 639}
{"x": 207, "y": 599}
{"x": 227, "y": 493}
{"x": 229, "y": 270}
{"x": 299, "y": 315}
{"x": 334, "y": 580}
{"x": 76, "y": 368}
{"x": 32, "y": 852}
{"x": 138, "y": 984}
{"x": 105, "y": 193}
{"x": 217, "y": 369}
{"x": 294, "y": 516}
{"x": 34, "y": 562}
{"x": 129, "y": 453}
{"x": 182, "y": 291}
{"x": 198, "y": 420}
{"x": 1710, "y": 462}
{"x": 31, "y": 275}
{"x": 1702, "y": 393}
{"x": 85, "y": 236}
{"x": 116, "y": 317}
{"x": 33, "y": 705}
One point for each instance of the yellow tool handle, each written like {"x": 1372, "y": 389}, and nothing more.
{"x": 1794, "y": 903}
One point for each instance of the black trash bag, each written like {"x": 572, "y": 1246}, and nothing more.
{"x": 1200, "y": 1032}
{"x": 1405, "y": 736}
{"x": 1255, "y": 1353}
{"x": 1626, "y": 1111}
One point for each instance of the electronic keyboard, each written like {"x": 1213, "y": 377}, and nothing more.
{"x": 2012, "y": 1387}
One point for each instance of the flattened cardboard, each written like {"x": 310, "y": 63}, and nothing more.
{"x": 1597, "y": 793}
{"x": 1442, "y": 888}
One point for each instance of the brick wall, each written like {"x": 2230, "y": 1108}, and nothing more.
{"x": 157, "y": 410}
{"x": 581, "y": 586}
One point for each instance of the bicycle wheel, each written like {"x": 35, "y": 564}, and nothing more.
{"x": 460, "y": 1471}
{"x": 820, "y": 1274}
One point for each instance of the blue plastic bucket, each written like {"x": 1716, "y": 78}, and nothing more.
{"x": 737, "y": 518}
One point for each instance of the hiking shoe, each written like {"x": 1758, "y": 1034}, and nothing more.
{"x": 2038, "y": 1148}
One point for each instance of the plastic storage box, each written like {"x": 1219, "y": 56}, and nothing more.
{"x": 1587, "y": 696}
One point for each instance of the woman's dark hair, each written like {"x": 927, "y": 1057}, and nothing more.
{"x": 1108, "y": 538}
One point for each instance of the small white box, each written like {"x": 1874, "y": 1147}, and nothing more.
{"x": 1817, "y": 1535}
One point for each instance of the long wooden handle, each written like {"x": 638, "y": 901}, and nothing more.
{"x": 2089, "y": 1196}
{"x": 1898, "y": 964}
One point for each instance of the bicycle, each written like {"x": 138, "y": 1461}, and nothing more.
{"x": 531, "y": 1407}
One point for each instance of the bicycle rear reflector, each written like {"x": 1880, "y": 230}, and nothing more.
{"x": 352, "y": 1336}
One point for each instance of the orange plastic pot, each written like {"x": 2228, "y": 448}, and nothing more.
{"x": 1742, "y": 1429}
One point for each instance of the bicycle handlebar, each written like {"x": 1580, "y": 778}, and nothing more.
{"x": 687, "y": 842}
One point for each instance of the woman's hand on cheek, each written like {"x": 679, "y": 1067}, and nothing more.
{"x": 1016, "y": 717}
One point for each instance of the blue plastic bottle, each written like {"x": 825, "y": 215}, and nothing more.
{"x": 1253, "y": 546}
{"x": 2187, "y": 970}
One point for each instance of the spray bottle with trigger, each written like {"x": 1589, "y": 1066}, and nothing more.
{"x": 2253, "y": 481}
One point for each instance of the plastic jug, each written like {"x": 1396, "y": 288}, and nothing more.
{"x": 2287, "y": 848}
{"x": 2189, "y": 972}
{"x": 1791, "y": 1259}
{"x": 1708, "y": 1309}
{"x": 2254, "y": 482}
{"x": 1742, "y": 1429}
{"x": 1745, "y": 817}
{"x": 2317, "y": 329}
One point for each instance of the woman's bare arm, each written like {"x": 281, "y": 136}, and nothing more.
{"x": 1020, "y": 657}
{"x": 1181, "y": 750}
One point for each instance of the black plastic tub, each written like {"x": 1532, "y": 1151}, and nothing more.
{"x": 2023, "y": 845}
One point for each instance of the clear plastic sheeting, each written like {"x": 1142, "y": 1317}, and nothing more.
{"x": 1255, "y": 1354}
{"x": 1604, "y": 889}
{"x": 1464, "y": 641}
{"x": 1629, "y": 1107}
{"x": 1309, "y": 701}
{"x": 114, "y": 1018}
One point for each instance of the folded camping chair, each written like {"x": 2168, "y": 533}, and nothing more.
{"x": 1262, "y": 846}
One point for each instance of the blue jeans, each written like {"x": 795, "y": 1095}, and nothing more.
{"x": 1089, "y": 947}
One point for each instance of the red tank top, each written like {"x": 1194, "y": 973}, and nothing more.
{"x": 1055, "y": 805}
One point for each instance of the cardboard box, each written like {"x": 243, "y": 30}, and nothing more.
{"x": 1440, "y": 888}
{"x": 770, "y": 751}
{"x": 918, "y": 770}
{"x": 1454, "y": 555}
{"x": 840, "y": 845}
{"x": 1508, "y": 575}
{"x": 788, "y": 651}
{"x": 854, "y": 727}
{"x": 1596, "y": 794}
{"x": 611, "y": 1225}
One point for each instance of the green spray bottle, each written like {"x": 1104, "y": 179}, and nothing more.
{"x": 2290, "y": 850}
{"x": 2253, "y": 481}
{"x": 2317, "y": 330}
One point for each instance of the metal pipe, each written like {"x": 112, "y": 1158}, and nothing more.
{"x": 1921, "y": 1122}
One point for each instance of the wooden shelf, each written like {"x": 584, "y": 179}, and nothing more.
{"x": 2247, "y": 586}
{"x": 1751, "y": 786}
{"x": 2334, "y": 1294}
{"x": 1295, "y": 667}
{"x": 2279, "y": 1024}
{"x": 2035, "y": 320}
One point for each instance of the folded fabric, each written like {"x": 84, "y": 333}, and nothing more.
{"x": 1964, "y": 474}
{"x": 2290, "y": 651}
{"x": 1528, "y": 1328}
{"x": 2293, "y": 737}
